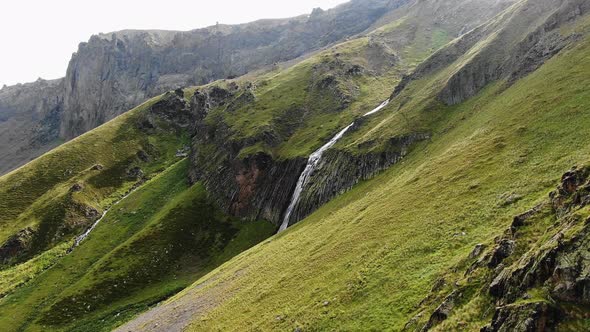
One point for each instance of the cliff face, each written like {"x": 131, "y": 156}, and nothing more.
{"x": 112, "y": 73}
{"x": 340, "y": 170}
{"x": 29, "y": 121}
{"x": 252, "y": 187}
{"x": 260, "y": 185}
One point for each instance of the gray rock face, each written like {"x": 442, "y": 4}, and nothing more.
{"x": 527, "y": 317}
{"x": 339, "y": 171}
{"x": 114, "y": 72}
{"x": 29, "y": 121}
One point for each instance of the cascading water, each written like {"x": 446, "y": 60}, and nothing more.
{"x": 82, "y": 237}
{"x": 312, "y": 163}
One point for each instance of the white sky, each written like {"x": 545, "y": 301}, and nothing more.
{"x": 38, "y": 37}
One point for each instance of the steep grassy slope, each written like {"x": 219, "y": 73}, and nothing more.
{"x": 368, "y": 258}
{"x": 100, "y": 162}
{"x": 150, "y": 245}
{"x": 139, "y": 254}
{"x": 299, "y": 108}
{"x": 471, "y": 151}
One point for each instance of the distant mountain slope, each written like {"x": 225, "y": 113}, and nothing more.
{"x": 257, "y": 134}
{"x": 114, "y": 72}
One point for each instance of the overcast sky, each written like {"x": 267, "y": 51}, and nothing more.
{"x": 38, "y": 37}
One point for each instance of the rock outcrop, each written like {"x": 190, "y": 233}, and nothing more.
{"x": 536, "y": 316}
{"x": 29, "y": 121}
{"x": 16, "y": 245}
{"x": 252, "y": 187}
{"x": 554, "y": 267}
{"x": 340, "y": 170}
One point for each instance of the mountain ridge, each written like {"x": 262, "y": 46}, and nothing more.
{"x": 106, "y": 76}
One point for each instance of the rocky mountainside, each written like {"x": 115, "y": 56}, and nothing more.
{"x": 30, "y": 115}
{"x": 437, "y": 211}
{"x": 460, "y": 234}
{"x": 114, "y": 72}
{"x": 256, "y": 135}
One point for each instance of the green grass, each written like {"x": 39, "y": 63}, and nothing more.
{"x": 374, "y": 252}
{"x": 140, "y": 254}
{"x": 304, "y": 105}
{"x": 10, "y": 279}
{"x": 294, "y": 107}
{"x": 37, "y": 194}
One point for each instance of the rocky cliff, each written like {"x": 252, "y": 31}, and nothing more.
{"x": 29, "y": 121}
{"x": 340, "y": 170}
{"x": 113, "y": 72}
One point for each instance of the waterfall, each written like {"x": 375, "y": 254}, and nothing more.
{"x": 312, "y": 163}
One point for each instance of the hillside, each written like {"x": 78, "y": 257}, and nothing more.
{"x": 139, "y": 253}
{"x": 395, "y": 252}
{"x": 116, "y": 71}
{"x": 433, "y": 173}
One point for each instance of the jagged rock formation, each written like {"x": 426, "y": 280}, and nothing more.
{"x": 113, "y": 72}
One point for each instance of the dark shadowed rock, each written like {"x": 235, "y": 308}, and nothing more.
{"x": 16, "y": 245}
{"x": 76, "y": 187}
{"x": 443, "y": 311}
{"x": 338, "y": 171}
{"x": 135, "y": 173}
{"x": 501, "y": 251}
{"x": 143, "y": 156}
{"x": 529, "y": 317}
{"x": 477, "y": 250}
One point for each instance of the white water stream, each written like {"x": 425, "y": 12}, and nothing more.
{"x": 312, "y": 163}
{"x": 82, "y": 237}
